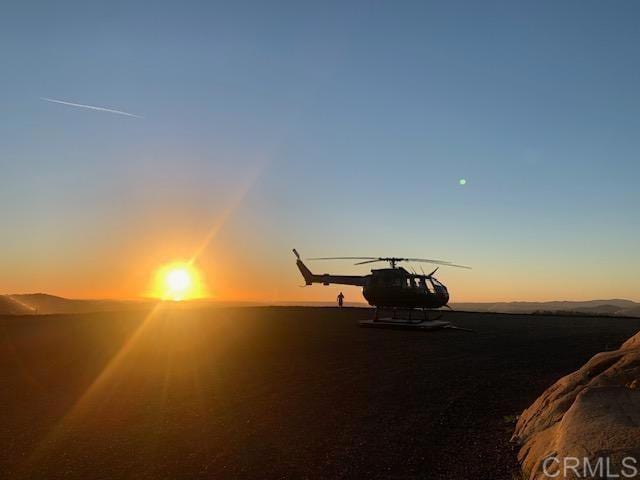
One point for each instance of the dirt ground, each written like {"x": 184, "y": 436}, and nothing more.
{"x": 276, "y": 393}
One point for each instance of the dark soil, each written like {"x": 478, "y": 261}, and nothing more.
{"x": 276, "y": 393}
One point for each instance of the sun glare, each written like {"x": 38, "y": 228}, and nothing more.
{"x": 178, "y": 281}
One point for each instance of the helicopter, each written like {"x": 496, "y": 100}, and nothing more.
{"x": 392, "y": 288}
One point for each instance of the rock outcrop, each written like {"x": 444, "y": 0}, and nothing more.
{"x": 587, "y": 425}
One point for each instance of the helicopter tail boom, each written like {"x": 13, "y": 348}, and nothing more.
{"x": 325, "y": 278}
{"x": 306, "y": 273}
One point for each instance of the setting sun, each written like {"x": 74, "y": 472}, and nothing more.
{"x": 178, "y": 281}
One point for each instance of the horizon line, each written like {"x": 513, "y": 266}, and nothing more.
{"x": 291, "y": 302}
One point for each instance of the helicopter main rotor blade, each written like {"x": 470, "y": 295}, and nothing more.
{"x": 436, "y": 262}
{"x": 392, "y": 259}
{"x": 374, "y": 260}
{"x": 343, "y": 258}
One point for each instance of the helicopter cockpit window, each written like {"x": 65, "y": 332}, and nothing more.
{"x": 429, "y": 284}
{"x": 422, "y": 284}
{"x": 438, "y": 287}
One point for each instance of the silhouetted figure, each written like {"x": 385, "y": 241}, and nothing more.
{"x": 340, "y": 299}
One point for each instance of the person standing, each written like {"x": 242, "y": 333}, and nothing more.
{"x": 340, "y": 299}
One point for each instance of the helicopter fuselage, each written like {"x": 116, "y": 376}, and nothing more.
{"x": 388, "y": 287}
{"x": 397, "y": 288}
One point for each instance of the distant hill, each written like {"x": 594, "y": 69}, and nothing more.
{"x": 12, "y": 306}
{"x": 613, "y": 307}
{"x": 43, "y": 304}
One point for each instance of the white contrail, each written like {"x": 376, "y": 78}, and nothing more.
{"x": 91, "y": 107}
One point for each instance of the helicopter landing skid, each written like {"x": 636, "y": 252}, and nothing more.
{"x": 409, "y": 319}
{"x": 403, "y": 325}
{"x": 406, "y": 315}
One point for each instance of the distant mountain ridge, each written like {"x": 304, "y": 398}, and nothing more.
{"x": 614, "y": 307}
{"x": 43, "y": 304}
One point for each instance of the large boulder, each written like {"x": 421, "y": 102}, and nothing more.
{"x": 587, "y": 425}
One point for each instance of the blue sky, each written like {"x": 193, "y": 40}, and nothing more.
{"x": 359, "y": 119}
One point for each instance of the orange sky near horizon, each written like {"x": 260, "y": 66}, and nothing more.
{"x": 244, "y": 256}
{"x": 235, "y": 269}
